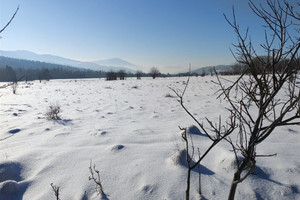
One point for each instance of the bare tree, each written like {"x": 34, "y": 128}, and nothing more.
{"x": 55, "y": 190}
{"x": 261, "y": 91}
{"x": 211, "y": 71}
{"x": 237, "y": 69}
{"x": 215, "y": 133}
{"x": 138, "y": 74}
{"x": 256, "y": 106}
{"x": 111, "y": 76}
{"x": 202, "y": 74}
{"x": 154, "y": 72}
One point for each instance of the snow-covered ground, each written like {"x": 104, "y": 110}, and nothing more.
{"x": 129, "y": 129}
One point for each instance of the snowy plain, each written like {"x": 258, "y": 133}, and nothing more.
{"x": 129, "y": 129}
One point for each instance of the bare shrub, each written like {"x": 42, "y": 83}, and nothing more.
{"x": 268, "y": 78}
{"x": 56, "y": 191}
{"x": 154, "y": 72}
{"x": 111, "y": 75}
{"x": 95, "y": 176}
{"x": 53, "y": 112}
{"x": 215, "y": 133}
{"x": 265, "y": 96}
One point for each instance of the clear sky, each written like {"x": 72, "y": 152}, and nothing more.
{"x": 168, "y": 34}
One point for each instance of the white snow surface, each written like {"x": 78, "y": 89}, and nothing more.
{"x": 129, "y": 129}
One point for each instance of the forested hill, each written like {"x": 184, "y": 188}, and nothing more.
{"x": 12, "y": 69}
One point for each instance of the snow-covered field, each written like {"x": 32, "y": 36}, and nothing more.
{"x": 129, "y": 129}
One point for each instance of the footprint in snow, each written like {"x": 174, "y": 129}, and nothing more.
{"x": 103, "y": 133}
{"x": 14, "y": 131}
{"x": 292, "y": 130}
{"x": 99, "y": 134}
{"x": 117, "y": 147}
{"x": 129, "y": 108}
{"x": 148, "y": 189}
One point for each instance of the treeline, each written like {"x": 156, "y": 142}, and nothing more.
{"x": 12, "y": 69}
{"x": 30, "y": 64}
{"x": 10, "y": 74}
{"x": 264, "y": 64}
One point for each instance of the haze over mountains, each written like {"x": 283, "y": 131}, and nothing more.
{"x": 114, "y": 64}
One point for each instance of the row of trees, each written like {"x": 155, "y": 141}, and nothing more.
{"x": 121, "y": 74}
{"x": 10, "y": 74}
{"x": 259, "y": 63}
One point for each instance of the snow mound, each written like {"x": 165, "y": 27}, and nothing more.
{"x": 226, "y": 161}
{"x": 292, "y": 130}
{"x": 148, "y": 190}
{"x": 288, "y": 190}
{"x": 14, "y": 131}
{"x": 179, "y": 158}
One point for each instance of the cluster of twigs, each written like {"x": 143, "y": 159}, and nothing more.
{"x": 256, "y": 106}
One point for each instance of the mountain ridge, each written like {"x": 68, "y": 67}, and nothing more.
{"x": 28, "y": 55}
{"x": 207, "y": 70}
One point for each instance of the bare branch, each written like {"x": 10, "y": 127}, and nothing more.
{"x": 10, "y": 20}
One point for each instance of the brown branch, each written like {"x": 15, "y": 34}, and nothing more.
{"x": 10, "y": 20}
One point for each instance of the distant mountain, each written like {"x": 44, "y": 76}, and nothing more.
{"x": 207, "y": 70}
{"x": 12, "y": 69}
{"x": 114, "y": 64}
{"x": 30, "y": 64}
{"x": 28, "y": 55}
{"x": 117, "y": 62}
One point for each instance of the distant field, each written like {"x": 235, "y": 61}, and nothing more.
{"x": 129, "y": 129}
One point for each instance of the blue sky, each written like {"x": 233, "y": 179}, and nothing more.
{"x": 168, "y": 34}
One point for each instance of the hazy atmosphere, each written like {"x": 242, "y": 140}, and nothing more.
{"x": 149, "y": 100}
{"x": 169, "y": 34}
